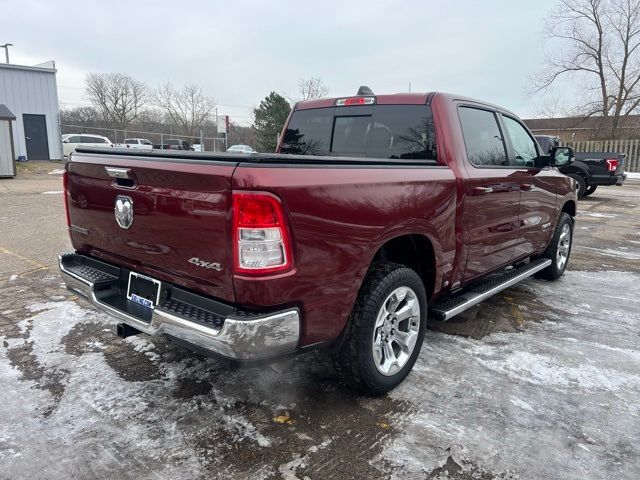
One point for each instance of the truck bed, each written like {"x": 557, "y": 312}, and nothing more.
{"x": 339, "y": 210}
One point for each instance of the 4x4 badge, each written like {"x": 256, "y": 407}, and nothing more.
{"x": 124, "y": 211}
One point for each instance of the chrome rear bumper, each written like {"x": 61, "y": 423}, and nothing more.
{"x": 233, "y": 333}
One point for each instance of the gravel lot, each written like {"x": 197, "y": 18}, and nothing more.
{"x": 542, "y": 381}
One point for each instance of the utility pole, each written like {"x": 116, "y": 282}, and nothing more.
{"x": 215, "y": 142}
{"x": 6, "y": 50}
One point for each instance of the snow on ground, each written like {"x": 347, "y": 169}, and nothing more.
{"x": 558, "y": 401}
{"x": 99, "y": 414}
{"x": 633, "y": 175}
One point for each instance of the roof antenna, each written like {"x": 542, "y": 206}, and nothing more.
{"x": 364, "y": 90}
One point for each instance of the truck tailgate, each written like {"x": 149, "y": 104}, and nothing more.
{"x": 180, "y": 216}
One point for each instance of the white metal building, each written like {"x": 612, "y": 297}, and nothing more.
{"x": 31, "y": 94}
{"x": 7, "y": 155}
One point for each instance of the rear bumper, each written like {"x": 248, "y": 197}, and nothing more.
{"x": 203, "y": 322}
{"x": 617, "y": 179}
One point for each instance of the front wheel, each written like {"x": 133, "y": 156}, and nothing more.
{"x": 385, "y": 331}
{"x": 559, "y": 249}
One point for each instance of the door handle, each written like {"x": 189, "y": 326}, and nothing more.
{"x": 526, "y": 187}
{"x": 482, "y": 190}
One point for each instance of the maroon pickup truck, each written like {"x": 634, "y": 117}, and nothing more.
{"x": 377, "y": 214}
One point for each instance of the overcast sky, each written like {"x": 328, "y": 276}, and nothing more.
{"x": 239, "y": 51}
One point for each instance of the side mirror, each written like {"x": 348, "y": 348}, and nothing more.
{"x": 66, "y": 140}
{"x": 561, "y": 156}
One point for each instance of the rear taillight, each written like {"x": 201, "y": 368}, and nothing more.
{"x": 260, "y": 237}
{"x": 65, "y": 197}
{"x": 612, "y": 164}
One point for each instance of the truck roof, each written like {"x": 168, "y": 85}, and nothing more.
{"x": 396, "y": 99}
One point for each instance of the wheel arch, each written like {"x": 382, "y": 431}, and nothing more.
{"x": 569, "y": 207}
{"x": 577, "y": 169}
{"x": 415, "y": 251}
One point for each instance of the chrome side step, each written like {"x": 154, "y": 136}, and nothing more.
{"x": 452, "y": 306}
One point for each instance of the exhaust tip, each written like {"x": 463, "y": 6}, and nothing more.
{"x": 123, "y": 330}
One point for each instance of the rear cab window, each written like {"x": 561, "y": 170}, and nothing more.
{"x": 376, "y": 131}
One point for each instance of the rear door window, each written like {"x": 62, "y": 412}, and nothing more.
{"x": 380, "y": 131}
{"x": 482, "y": 137}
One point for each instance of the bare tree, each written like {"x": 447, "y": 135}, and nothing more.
{"x": 188, "y": 108}
{"x": 312, "y": 88}
{"x": 118, "y": 97}
{"x": 601, "y": 53}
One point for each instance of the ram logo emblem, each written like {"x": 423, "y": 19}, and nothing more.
{"x": 124, "y": 211}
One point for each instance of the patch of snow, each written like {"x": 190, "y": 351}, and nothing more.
{"x": 12, "y": 278}
{"x": 610, "y": 252}
{"x": 120, "y": 424}
{"x": 596, "y": 214}
{"x": 525, "y": 404}
{"x": 57, "y": 171}
{"x": 53, "y": 192}
{"x": 522, "y": 404}
{"x": 633, "y": 175}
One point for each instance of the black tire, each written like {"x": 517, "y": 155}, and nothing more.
{"x": 590, "y": 190}
{"x": 554, "y": 271}
{"x": 354, "y": 359}
{"x": 581, "y": 184}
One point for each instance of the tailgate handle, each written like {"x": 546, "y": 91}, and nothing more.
{"x": 115, "y": 172}
{"x": 122, "y": 176}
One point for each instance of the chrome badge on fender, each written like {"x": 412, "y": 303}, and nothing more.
{"x": 124, "y": 211}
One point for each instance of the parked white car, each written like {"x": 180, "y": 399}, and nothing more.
{"x": 137, "y": 143}
{"x": 240, "y": 149}
{"x": 71, "y": 141}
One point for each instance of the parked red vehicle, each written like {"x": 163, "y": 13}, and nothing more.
{"x": 377, "y": 214}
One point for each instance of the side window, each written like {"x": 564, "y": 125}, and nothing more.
{"x": 524, "y": 146}
{"x": 482, "y": 137}
{"x": 75, "y": 139}
{"x": 130, "y": 142}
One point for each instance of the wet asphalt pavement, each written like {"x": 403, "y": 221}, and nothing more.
{"x": 542, "y": 381}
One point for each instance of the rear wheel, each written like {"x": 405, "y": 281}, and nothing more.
{"x": 559, "y": 249}
{"x": 581, "y": 184}
{"x": 590, "y": 190}
{"x": 385, "y": 331}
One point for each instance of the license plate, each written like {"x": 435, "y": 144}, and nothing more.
{"x": 143, "y": 290}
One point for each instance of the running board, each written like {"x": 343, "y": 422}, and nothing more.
{"x": 452, "y": 306}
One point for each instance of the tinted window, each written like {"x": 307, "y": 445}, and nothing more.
{"x": 350, "y": 136}
{"x": 75, "y": 139}
{"x": 131, "y": 142}
{"x": 309, "y": 132}
{"x": 385, "y": 131}
{"x": 88, "y": 139}
{"x": 524, "y": 146}
{"x": 482, "y": 137}
{"x": 146, "y": 142}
